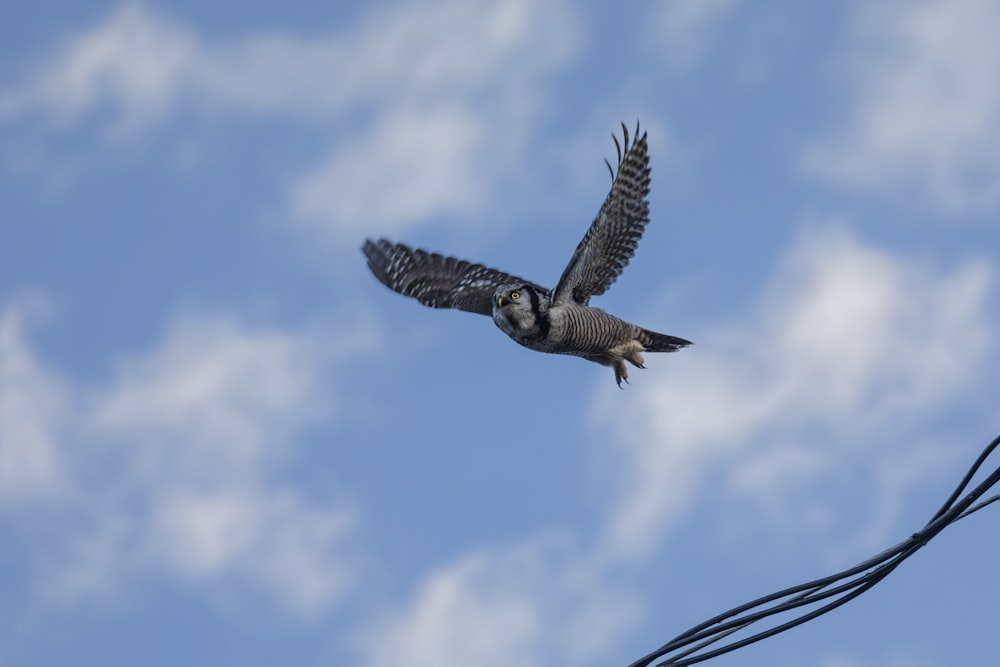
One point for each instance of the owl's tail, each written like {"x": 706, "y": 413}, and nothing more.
{"x": 657, "y": 342}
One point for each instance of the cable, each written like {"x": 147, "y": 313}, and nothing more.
{"x": 692, "y": 646}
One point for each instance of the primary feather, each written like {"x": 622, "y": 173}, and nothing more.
{"x": 612, "y": 238}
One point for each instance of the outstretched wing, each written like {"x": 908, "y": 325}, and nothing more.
{"x": 612, "y": 238}
{"x": 435, "y": 280}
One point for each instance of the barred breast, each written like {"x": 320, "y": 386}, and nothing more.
{"x": 585, "y": 331}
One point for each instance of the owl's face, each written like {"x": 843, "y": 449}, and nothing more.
{"x": 515, "y": 308}
{"x": 512, "y": 297}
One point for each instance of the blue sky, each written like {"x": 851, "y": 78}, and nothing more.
{"x": 223, "y": 441}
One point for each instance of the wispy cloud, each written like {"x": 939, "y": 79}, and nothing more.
{"x": 390, "y": 162}
{"x": 146, "y": 64}
{"x": 923, "y": 107}
{"x": 271, "y": 537}
{"x": 32, "y": 402}
{"x": 534, "y": 604}
{"x": 135, "y": 61}
{"x": 449, "y": 92}
{"x": 846, "y": 340}
{"x": 214, "y": 394}
{"x": 173, "y": 468}
{"x": 458, "y": 110}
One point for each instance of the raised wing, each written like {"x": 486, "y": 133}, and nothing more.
{"x": 612, "y": 238}
{"x": 435, "y": 280}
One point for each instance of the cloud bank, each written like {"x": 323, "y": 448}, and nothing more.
{"x": 170, "y": 469}
{"x": 922, "y": 115}
{"x": 846, "y": 341}
{"x": 441, "y": 97}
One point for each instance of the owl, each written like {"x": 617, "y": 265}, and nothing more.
{"x": 559, "y": 321}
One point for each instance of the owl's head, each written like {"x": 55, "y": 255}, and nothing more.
{"x": 516, "y": 307}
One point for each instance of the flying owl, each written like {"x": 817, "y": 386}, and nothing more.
{"x": 558, "y": 321}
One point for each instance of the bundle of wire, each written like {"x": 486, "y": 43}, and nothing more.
{"x": 816, "y": 598}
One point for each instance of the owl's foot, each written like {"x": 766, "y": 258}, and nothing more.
{"x": 621, "y": 373}
{"x": 630, "y": 352}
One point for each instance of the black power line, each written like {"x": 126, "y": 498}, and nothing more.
{"x": 815, "y": 598}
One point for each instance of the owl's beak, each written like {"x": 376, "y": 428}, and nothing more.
{"x": 500, "y": 302}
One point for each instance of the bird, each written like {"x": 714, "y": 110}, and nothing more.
{"x": 560, "y": 320}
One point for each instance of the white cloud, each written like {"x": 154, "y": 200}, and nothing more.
{"x": 395, "y": 167}
{"x": 272, "y": 537}
{"x": 174, "y": 467}
{"x": 145, "y": 64}
{"x": 135, "y": 61}
{"x": 200, "y": 533}
{"x": 449, "y": 91}
{"x": 847, "y": 340}
{"x": 516, "y": 606}
{"x": 463, "y": 85}
{"x": 463, "y": 615}
{"x": 213, "y": 396}
{"x": 924, "y": 110}
{"x": 33, "y": 403}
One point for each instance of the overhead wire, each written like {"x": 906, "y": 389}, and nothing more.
{"x": 816, "y": 598}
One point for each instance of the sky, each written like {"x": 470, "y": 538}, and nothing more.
{"x": 222, "y": 441}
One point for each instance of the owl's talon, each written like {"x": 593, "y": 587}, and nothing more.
{"x": 621, "y": 373}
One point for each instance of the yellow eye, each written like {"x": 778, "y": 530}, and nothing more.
{"x": 515, "y": 295}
